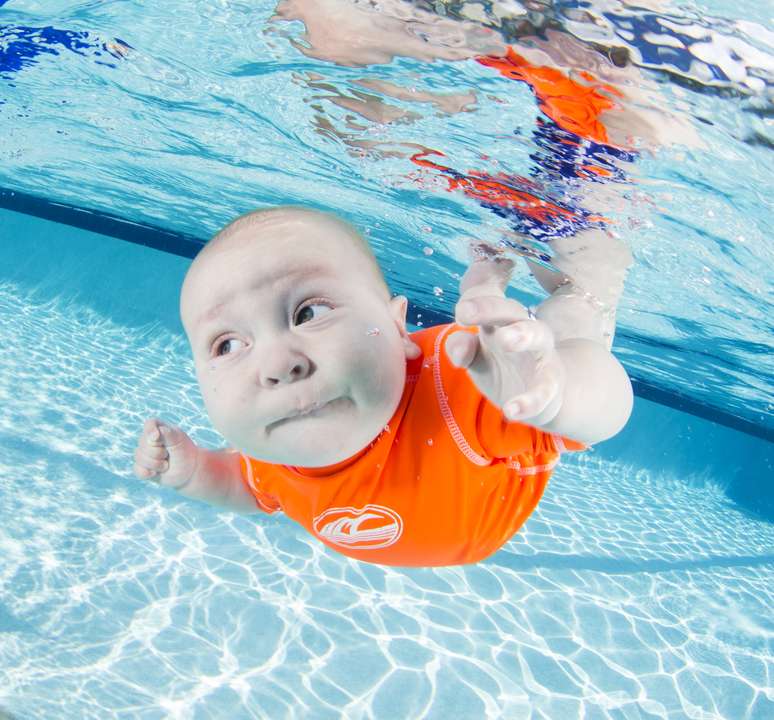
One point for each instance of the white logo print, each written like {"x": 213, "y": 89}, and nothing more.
{"x": 367, "y": 528}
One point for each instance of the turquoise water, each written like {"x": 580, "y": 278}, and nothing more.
{"x": 640, "y": 588}
{"x": 642, "y": 585}
{"x": 213, "y": 112}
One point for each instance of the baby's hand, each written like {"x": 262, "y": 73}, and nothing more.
{"x": 512, "y": 360}
{"x": 165, "y": 454}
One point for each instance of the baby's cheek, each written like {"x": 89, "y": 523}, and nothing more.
{"x": 215, "y": 396}
{"x": 385, "y": 364}
{"x": 208, "y": 388}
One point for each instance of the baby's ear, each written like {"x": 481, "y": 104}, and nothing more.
{"x": 398, "y": 309}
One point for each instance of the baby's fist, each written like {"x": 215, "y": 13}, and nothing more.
{"x": 164, "y": 454}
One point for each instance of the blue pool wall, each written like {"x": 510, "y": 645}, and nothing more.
{"x": 136, "y": 286}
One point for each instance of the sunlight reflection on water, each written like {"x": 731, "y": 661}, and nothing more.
{"x": 625, "y": 592}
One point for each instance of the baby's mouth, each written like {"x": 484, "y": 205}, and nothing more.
{"x": 317, "y": 409}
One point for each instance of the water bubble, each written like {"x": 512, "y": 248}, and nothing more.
{"x": 429, "y": 441}
{"x": 427, "y": 251}
{"x": 427, "y": 229}
{"x": 437, "y": 291}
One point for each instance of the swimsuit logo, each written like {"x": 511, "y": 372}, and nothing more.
{"x": 367, "y": 528}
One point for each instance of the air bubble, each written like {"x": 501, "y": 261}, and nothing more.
{"x": 437, "y": 291}
{"x": 427, "y": 251}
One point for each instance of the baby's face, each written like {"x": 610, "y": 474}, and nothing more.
{"x": 299, "y": 352}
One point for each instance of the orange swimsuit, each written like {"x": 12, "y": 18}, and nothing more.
{"x": 448, "y": 481}
{"x": 571, "y": 105}
{"x": 579, "y": 149}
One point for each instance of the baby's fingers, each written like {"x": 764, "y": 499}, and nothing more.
{"x": 462, "y": 348}
{"x": 490, "y": 310}
{"x": 489, "y": 271}
{"x": 525, "y": 336}
{"x": 534, "y": 403}
{"x": 151, "y": 434}
{"x": 147, "y": 466}
{"x": 151, "y": 453}
{"x": 151, "y": 457}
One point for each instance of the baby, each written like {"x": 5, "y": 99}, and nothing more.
{"x": 424, "y": 449}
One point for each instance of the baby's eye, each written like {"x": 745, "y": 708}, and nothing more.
{"x": 229, "y": 345}
{"x": 312, "y": 310}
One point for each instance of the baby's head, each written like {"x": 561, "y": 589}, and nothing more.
{"x": 299, "y": 349}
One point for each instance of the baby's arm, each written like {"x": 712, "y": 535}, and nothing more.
{"x": 566, "y": 382}
{"x": 166, "y": 455}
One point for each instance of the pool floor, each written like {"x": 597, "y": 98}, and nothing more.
{"x": 630, "y": 593}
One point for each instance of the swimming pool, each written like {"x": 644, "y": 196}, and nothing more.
{"x": 641, "y": 587}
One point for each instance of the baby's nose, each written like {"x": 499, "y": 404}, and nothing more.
{"x": 285, "y": 368}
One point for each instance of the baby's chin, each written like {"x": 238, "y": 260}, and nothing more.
{"x": 316, "y": 442}
{"x": 313, "y": 455}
